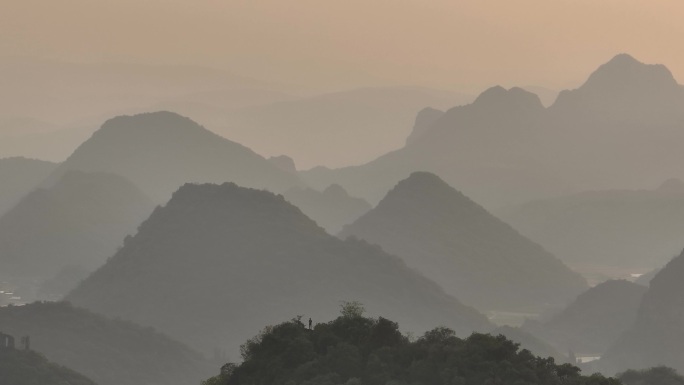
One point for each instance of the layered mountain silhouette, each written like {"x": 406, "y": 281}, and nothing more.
{"x": 219, "y": 260}
{"x": 476, "y": 257}
{"x": 657, "y": 336}
{"x": 606, "y": 231}
{"x": 331, "y": 208}
{"x": 162, "y": 150}
{"x": 80, "y": 221}
{"x": 18, "y": 177}
{"x": 108, "y": 351}
{"x": 619, "y": 129}
{"x": 594, "y": 321}
{"x": 321, "y": 129}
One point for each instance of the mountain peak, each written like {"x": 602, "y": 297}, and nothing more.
{"x": 624, "y": 69}
{"x": 451, "y": 239}
{"x": 516, "y": 97}
{"x": 624, "y": 83}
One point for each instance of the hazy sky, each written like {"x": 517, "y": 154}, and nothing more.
{"x": 453, "y": 44}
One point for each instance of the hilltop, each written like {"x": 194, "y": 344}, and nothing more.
{"x": 218, "y": 256}
{"x": 483, "y": 261}
{"x": 160, "y": 151}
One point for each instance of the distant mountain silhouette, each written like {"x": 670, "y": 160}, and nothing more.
{"x": 478, "y": 258}
{"x": 223, "y": 257}
{"x": 657, "y": 336}
{"x": 424, "y": 120}
{"x": 620, "y": 129}
{"x": 79, "y": 221}
{"x": 331, "y": 209}
{"x": 621, "y": 86}
{"x": 607, "y": 231}
{"x": 18, "y": 177}
{"x": 160, "y": 151}
{"x": 322, "y": 129}
{"x": 594, "y": 321}
{"x": 109, "y": 351}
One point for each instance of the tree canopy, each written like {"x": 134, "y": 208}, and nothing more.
{"x": 356, "y": 350}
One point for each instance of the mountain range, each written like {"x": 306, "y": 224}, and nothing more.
{"x": 618, "y": 130}
{"x": 216, "y": 258}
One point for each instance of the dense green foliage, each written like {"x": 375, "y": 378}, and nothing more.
{"x": 219, "y": 256}
{"x": 109, "y": 351}
{"x": 355, "y": 350}
{"x": 661, "y": 375}
{"x": 19, "y": 367}
{"x": 473, "y": 255}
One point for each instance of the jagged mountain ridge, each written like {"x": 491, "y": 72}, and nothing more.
{"x": 506, "y": 148}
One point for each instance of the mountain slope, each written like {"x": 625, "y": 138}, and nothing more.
{"x": 595, "y": 320}
{"x": 217, "y": 261}
{"x": 160, "y": 151}
{"x": 18, "y": 177}
{"x": 604, "y": 230}
{"x": 109, "y": 351}
{"x": 79, "y": 221}
{"x": 20, "y": 367}
{"x": 439, "y": 231}
{"x": 657, "y": 336}
{"x": 331, "y": 208}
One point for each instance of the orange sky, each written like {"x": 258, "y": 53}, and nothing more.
{"x": 454, "y": 44}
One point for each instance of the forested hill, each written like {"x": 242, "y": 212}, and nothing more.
{"x": 356, "y": 350}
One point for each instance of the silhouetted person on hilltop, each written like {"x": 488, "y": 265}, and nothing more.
{"x": 310, "y": 323}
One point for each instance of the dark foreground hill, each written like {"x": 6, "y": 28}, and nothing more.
{"x": 109, "y": 351}
{"x": 354, "y": 350}
{"x": 77, "y": 223}
{"x": 18, "y": 177}
{"x": 20, "y": 367}
{"x": 657, "y": 336}
{"x": 473, "y": 255}
{"x": 331, "y": 208}
{"x": 160, "y": 151}
{"x": 607, "y": 230}
{"x": 218, "y": 260}
{"x": 595, "y": 320}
